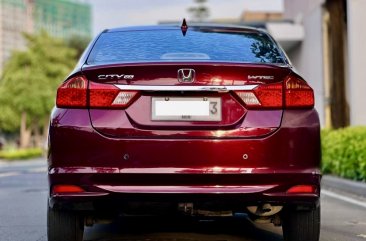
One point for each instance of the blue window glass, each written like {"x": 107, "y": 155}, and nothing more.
{"x": 197, "y": 45}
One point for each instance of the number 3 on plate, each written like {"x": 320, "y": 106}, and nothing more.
{"x": 213, "y": 108}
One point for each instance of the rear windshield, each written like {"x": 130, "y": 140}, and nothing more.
{"x": 171, "y": 45}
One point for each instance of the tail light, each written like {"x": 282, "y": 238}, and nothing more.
{"x": 75, "y": 93}
{"x": 298, "y": 94}
{"x": 109, "y": 96}
{"x": 294, "y": 93}
{"x": 264, "y": 96}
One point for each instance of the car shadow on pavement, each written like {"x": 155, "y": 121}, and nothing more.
{"x": 173, "y": 229}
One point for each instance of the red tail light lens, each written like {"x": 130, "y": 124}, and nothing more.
{"x": 298, "y": 93}
{"x": 264, "y": 96}
{"x": 270, "y": 95}
{"x": 73, "y": 93}
{"x": 109, "y": 96}
{"x": 59, "y": 189}
{"x": 302, "y": 189}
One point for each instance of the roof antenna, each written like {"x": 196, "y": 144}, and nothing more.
{"x": 184, "y": 27}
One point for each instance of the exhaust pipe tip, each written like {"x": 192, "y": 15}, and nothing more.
{"x": 264, "y": 210}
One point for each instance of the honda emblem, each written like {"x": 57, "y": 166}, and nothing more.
{"x": 186, "y": 75}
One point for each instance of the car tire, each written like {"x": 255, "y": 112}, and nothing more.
{"x": 63, "y": 226}
{"x": 301, "y": 225}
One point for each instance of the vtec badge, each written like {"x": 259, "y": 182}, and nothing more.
{"x": 260, "y": 77}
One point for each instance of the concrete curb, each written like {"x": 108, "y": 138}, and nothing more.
{"x": 354, "y": 187}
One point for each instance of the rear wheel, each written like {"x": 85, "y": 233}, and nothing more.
{"x": 63, "y": 226}
{"x": 301, "y": 225}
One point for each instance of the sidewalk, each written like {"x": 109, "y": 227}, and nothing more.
{"x": 33, "y": 161}
{"x": 345, "y": 185}
{"x": 20, "y": 166}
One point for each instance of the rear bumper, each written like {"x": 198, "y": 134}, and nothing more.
{"x": 236, "y": 191}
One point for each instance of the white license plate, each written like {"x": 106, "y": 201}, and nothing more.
{"x": 186, "y": 109}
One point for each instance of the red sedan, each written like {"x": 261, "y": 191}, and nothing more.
{"x": 201, "y": 121}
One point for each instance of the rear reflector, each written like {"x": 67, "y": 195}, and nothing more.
{"x": 73, "y": 93}
{"x": 302, "y": 189}
{"x": 59, "y": 189}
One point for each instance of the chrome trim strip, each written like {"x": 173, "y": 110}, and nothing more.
{"x": 216, "y": 88}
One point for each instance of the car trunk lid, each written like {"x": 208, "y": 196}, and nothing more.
{"x": 156, "y": 82}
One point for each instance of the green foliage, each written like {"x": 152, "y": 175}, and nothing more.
{"x": 21, "y": 154}
{"x": 78, "y": 43}
{"x": 9, "y": 119}
{"x": 31, "y": 77}
{"x": 344, "y": 152}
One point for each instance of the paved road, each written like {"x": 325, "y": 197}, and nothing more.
{"x": 23, "y": 194}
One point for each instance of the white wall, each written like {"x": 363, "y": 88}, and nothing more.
{"x": 308, "y": 57}
{"x": 299, "y": 8}
{"x": 357, "y": 61}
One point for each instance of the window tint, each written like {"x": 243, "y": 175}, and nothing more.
{"x": 171, "y": 45}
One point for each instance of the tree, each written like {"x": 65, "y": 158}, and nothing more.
{"x": 29, "y": 82}
{"x": 200, "y": 12}
{"x": 78, "y": 43}
{"x": 338, "y": 102}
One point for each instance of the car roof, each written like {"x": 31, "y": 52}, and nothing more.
{"x": 206, "y": 26}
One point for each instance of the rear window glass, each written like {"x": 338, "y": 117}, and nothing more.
{"x": 171, "y": 45}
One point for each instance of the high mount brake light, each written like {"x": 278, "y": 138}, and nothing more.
{"x": 74, "y": 93}
{"x": 294, "y": 93}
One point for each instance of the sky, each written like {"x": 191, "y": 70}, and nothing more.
{"x": 114, "y": 13}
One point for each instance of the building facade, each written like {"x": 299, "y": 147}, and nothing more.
{"x": 60, "y": 18}
{"x": 63, "y": 18}
{"x": 14, "y": 19}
